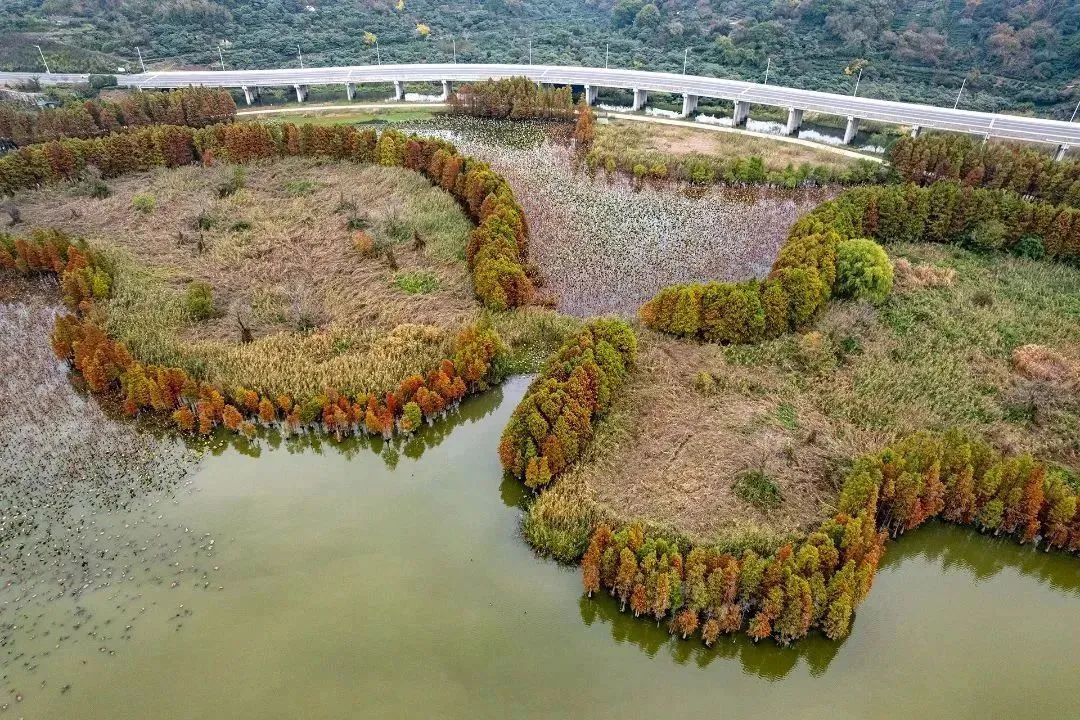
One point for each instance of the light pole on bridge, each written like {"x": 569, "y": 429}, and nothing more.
{"x": 141, "y": 63}
{"x": 768, "y": 67}
{"x": 685, "y": 56}
{"x": 957, "y": 103}
{"x": 1074, "y": 111}
{"x": 43, "y": 60}
{"x": 454, "y": 42}
{"x": 220, "y": 57}
{"x": 300, "y": 55}
{"x": 607, "y": 54}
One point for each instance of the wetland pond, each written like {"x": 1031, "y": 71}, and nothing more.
{"x": 394, "y": 584}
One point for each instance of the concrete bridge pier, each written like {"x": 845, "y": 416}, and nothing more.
{"x": 249, "y": 94}
{"x": 1061, "y": 150}
{"x": 742, "y": 113}
{"x": 445, "y": 91}
{"x": 916, "y": 131}
{"x": 851, "y": 129}
{"x": 689, "y": 105}
{"x": 301, "y": 92}
{"x": 640, "y": 98}
{"x": 399, "y": 90}
{"x": 794, "y": 121}
{"x": 350, "y": 91}
{"x": 590, "y": 94}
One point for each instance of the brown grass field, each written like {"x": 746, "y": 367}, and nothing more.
{"x": 624, "y": 136}
{"x": 674, "y": 449}
{"x": 279, "y": 253}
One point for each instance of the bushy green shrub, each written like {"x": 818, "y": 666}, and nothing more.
{"x": 987, "y": 236}
{"x": 700, "y": 172}
{"x": 1030, "y": 247}
{"x": 501, "y": 283}
{"x": 92, "y": 186}
{"x": 863, "y": 271}
{"x": 97, "y": 82}
{"x": 143, "y": 203}
{"x": 758, "y": 489}
{"x": 199, "y": 300}
{"x": 774, "y": 302}
{"x": 732, "y": 312}
{"x": 686, "y": 317}
{"x": 806, "y": 293}
{"x": 418, "y": 282}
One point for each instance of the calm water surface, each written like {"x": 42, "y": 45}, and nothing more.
{"x": 356, "y": 584}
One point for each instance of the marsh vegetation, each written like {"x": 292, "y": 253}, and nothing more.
{"x": 944, "y": 351}
{"x": 683, "y": 444}
{"x": 274, "y": 246}
{"x": 604, "y": 245}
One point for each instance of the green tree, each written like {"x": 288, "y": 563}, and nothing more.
{"x": 648, "y": 17}
{"x": 625, "y": 11}
{"x": 863, "y": 271}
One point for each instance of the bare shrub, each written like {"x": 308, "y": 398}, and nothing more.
{"x": 1038, "y": 362}
{"x": 921, "y": 276}
{"x": 365, "y": 244}
{"x": 14, "y": 213}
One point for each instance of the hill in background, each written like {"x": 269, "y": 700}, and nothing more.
{"x": 1017, "y": 55}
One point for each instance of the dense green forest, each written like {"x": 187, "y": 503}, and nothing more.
{"x": 1017, "y": 55}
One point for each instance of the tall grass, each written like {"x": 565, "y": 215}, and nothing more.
{"x": 938, "y": 356}
{"x": 533, "y": 334}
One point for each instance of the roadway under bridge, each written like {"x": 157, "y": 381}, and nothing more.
{"x": 917, "y": 117}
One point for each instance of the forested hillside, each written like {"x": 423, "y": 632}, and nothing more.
{"x": 1016, "y": 54}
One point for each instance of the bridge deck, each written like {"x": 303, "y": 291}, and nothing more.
{"x": 997, "y": 125}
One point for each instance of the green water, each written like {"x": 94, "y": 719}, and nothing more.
{"x": 350, "y": 589}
